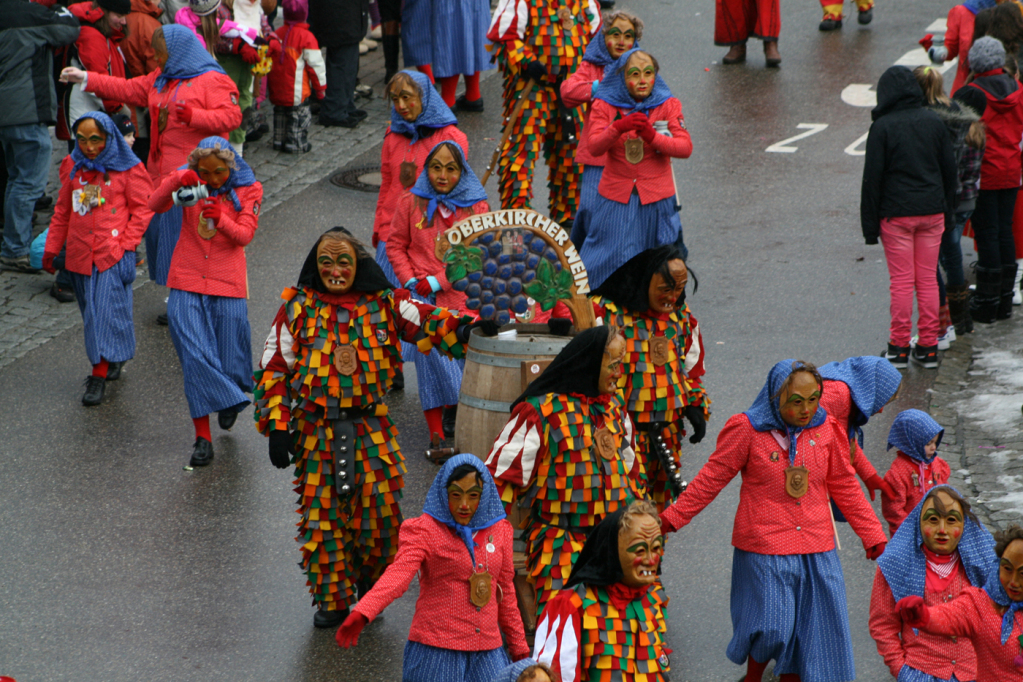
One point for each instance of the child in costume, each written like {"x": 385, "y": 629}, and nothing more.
{"x": 298, "y": 73}
{"x": 101, "y": 214}
{"x": 938, "y": 553}
{"x": 990, "y": 617}
{"x": 541, "y": 41}
{"x": 570, "y": 418}
{"x": 461, "y": 547}
{"x": 662, "y": 375}
{"x": 788, "y": 592}
{"x": 526, "y": 670}
{"x": 446, "y": 192}
{"x": 199, "y": 16}
{"x": 610, "y": 620}
{"x": 327, "y": 363}
{"x": 916, "y": 468}
{"x": 621, "y": 31}
{"x": 637, "y": 208}
{"x": 207, "y": 310}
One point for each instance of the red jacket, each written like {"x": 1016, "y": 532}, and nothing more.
{"x": 300, "y": 70}
{"x": 444, "y": 616}
{"x": 576, "y": 91}
{"x": 958, "y": 41}
{"x": 138, "y": 51}
{"x": 904, "y": 478}
{"x": 397, "y": 150}
{"x": 1003, "y": 118}
{"x": 652, "y": 176}
{"x": 411, "y": 245}
{"x": 105, "y": 232}
{"x": 214, "y": 99}
{"x": 837, "y": 402}
{"x": 214, "y": 266}
{"x": 768, "y": 520}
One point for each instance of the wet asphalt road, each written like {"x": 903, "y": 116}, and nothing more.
{"x": 119, "y": 565}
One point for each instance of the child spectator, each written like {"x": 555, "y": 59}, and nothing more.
{"x": 125, "y": 127}
{"x": 200, "y": 17}
{"x": 916, "y": 468}
{"x": 299, "y": 72}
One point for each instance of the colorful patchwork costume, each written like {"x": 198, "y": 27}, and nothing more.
{"x": 327, "y": 364}
{"x": 544, "y": 38}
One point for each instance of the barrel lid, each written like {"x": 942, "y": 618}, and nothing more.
{"x": 533, "y": 339}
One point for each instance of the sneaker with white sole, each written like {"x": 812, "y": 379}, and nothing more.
{"x": 898, "y": 356}
{"x": 944, "y": 341}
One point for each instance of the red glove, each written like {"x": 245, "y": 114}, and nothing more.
{"x": 914, "y": 611}
{"x": 248, "y": 53}
{"x": 274, "y": 48}
{"x": 184, "y": 111}
{"x": 666, "y": 526}
{"x": 189, "y": 179}
{"x": 348, "y": 634}
{"x": 423, "y": 287}
{"x": 212, "y": 211}
{"x": 630, "y": 122}
{"x": 876, "y": 551}
{"x": 926, "y": 41}
{"x": 320, "y": 93}
{"x": 646, "y": 130}
{"x": 875, "y": 483}
{"x": 48, "y": 262}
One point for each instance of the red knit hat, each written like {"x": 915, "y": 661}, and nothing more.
{"x": 296, "y": 10}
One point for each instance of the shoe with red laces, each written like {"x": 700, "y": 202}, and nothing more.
{"x": 926, "y": 356}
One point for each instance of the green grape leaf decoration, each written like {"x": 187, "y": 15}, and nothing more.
{"x": 460, "y": 260}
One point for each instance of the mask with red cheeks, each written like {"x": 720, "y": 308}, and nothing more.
{"x": 92, "y": 139}
{"x": 464, "y": 498}
{"x": 620, "y": 37}
{"x": 443, "y": 171}
{"x": 941, "y": 523}
{"x": 664, "y": 295}
{"x": 336, "y": 262}
{"x": 1010, "y": 570}
{"x": 611, "y": 366}
{"x": 213, "y": 170}
{"x": 640, "y": 549}
{"x": 798, "y": 403}
{"x": 639, "y": 76}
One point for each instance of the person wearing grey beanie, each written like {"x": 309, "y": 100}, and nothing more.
{"x": 987, "y": 54}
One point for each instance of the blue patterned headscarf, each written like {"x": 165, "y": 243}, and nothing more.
{"x": 597, "y": 53}
{"x": 764, "y": 414}
{"x": 468, "y": 192}
{"x": 872, "y": 382}
{"x": 116, "y": 155}
{"x": 186, "y": 57}
{"x": 490, "y": 511}
{"x": 242, "y": 176}
{"x": 911, "y": 431}
{"x": 614, "y": 91}
{"x": 996, "y": 591}
{"x": 511, "y": 673}
{"x": 435, "y": 113}
{"x": 976, "y": 6}
{"x": 904, "y": 564}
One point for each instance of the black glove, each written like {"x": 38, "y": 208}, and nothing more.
{"x": 559, "y": 326}
{"x": 280, "y": 444}
{"x": 488, "y": 327}
{"x": 535, "y": 71}
{"x": 694, "y": 414}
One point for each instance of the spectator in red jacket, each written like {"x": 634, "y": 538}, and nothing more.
{"x": 140, "y": 58}
{"x": 299, "y": 72}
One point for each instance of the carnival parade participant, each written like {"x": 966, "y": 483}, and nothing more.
{"x": 101, "y": 214}
{"x": 990, "y": 617}
{"x": 568, "y": 418}
{"x": 941, "y": 550}
{"x": 541, "y": 42}
{"x": 736, "y": 21}
{"x": 916, "y": 468}
{"x": 620, "y": 32}
{"x": 610, "y": 621}
{"x": 446, "y": 192}
{"x": 208, "y": 313}
{"x": 788, "y": 593}
{"x": 461, "y": 547}
{"x": 958, "y": 38}
{"x": 662, "y": 374}
{"x": 526, "y": 670}
{"x": 327, "y": 363}
{"x": 180, "y": 118}
{"x": 833, "y": 14}
{"x": 637, "y": 207}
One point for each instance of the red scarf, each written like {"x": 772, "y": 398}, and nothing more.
{"x": 621, "y": 595}
{"x": 941, "y": 569}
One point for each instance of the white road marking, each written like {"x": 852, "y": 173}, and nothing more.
{"x": 852, "y": 150}
{"x": 810, "y": 128}
{"x": 918, "y": 57}
{"x": 859, "y": 95}
{"x": 937, "y": 26}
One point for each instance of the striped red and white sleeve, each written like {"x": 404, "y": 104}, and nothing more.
{"x": 272, "y": 398}
{"x": 512, "y": 460}
{"x": 558, "y": 634}
{"x": 510, "y": 21}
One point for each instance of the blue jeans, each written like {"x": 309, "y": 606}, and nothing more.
{"x": 951, "y": 254}
{"x": 27, "y": 151}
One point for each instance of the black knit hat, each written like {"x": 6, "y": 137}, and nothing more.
{"x": 119, "y": 6}
{"x": 972, "y": 97}
{"x": 123, "y": 123}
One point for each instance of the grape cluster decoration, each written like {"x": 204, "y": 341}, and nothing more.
{"x": 503, "y": 269}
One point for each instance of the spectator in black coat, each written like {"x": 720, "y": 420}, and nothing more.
{"x": 339, "y": 25}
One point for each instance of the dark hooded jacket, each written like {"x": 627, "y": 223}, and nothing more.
{"x": 910, "y": 166}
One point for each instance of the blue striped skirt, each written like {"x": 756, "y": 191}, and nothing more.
{"x": 424, "y": 663}
{"x": 907, "y": 674}
{"x": 439, "y": 377}
{"x": 588, "y": 194}
{"x": 105, "y": 301}
{"x": 161, "y": 238}
{"x": 450, "y": 35}
{"x": 408, "y": 351}
{"x": 792, "y": 608}
{"x": 212, "y": 338}
{"x": 617, "y": 232}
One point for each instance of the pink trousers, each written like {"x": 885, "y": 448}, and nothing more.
{"x": 911, "y": 247}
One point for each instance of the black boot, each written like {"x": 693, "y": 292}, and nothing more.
{"x": 959, "y": 308}
{"x": 448, "y": 417}
{"x": 1005, "y": 297}
{"x": 202, "y": 453}
{"x": 984, "y": 303}
{"x": 226, "y": 418}
{"x": 398, "y": 383}
{"x": 392, "y": 46}
{"x": 94, "y": 387}
{"x": 114, "y": 371}
{"x": 329, "y": 619}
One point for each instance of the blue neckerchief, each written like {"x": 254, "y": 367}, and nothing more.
{"x": 242, "y": 176}
{"x": 116, "y": 155}
{"x": 435, "y": 113}
{"x": 904, "y": 564}
{"x": 468, "y": 192}
{"x": 911, "y": 431}
{"x": 998, "y": 595}
{"x": 613, "y": 90}
{"x": 872, "y": 382}
{"x": 976, "y": 6}
{"x": 186, "y": 57}
{"x": 490, "y": 511}
{"x": 764, "y": 415}
{"x": 596, "y": 52}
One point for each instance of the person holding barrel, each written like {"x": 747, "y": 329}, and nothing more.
{"x": 569, "y": 447}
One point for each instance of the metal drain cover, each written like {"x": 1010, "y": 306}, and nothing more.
{"x": 362, "y": 179}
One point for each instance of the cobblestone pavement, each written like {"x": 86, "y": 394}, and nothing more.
{"x": 977, "y": 397}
